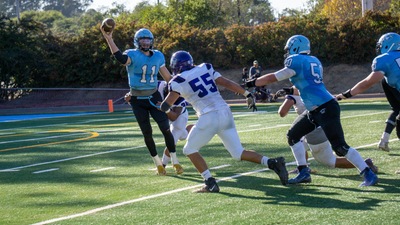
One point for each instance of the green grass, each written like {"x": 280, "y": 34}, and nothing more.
{"x": 75, "y": 147}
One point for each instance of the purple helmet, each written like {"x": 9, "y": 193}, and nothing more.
{"x": 181, "y": 61}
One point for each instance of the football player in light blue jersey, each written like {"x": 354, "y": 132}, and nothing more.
{"x": 385, "y": 66}
{"x": 143, "y": 64}
{"x": 306, "y": 73}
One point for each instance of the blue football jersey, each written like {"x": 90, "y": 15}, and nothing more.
{"x": 389, "y": 64}
{"x": 143, "y": 70}
{"x": 309, "y": 80}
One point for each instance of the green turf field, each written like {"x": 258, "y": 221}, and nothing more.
{"x": 95, "y": 169}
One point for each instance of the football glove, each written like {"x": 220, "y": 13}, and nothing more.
{"x": 280, "y": 93}
{"x": 251, "y": 102}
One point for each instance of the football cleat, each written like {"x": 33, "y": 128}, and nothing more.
{"x": 211, "y": 186}
{"x": 369, "y": 178}
{"x": 161, "y": 170}
{"x": 178, "y": 169}
{"x": 384, "y": 145}
{"x": 371, "y": 165}
{"x": 278, "y": 165}
{"x": 303, "y": 177}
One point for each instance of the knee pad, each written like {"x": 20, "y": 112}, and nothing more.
{"x": 323, "y": 154}
{"x": 341, "y": 150}
{"x": 237, "y": 155}
{"x": 391, "y": 122}
{"x": 187, "y": 151}
{"x": 292, "y": 140}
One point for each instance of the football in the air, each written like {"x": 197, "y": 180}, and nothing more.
{"x": 108, "y": 24}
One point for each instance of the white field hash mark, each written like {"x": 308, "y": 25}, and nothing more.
{"x": 45, "y": 171}
{"x": 102, "y": 169}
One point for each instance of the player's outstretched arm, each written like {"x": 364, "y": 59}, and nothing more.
{"x": 123, "y": 59}
{"x": 362, "y": 86}
{"x": 262, "y": 81}
{"x": 236, "y": 88}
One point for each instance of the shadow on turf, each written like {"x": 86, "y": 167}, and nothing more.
{"x": 308, "y": 195}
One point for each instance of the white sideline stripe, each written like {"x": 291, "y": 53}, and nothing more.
{"x": 8, "y": 170}
{"x": 141, "y": 199}
{"x": 43, "y": 138}
{"x": 102, "y": 169}
{"x": 45, "y": 171}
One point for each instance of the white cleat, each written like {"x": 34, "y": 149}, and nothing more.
{"x": 384, "y": 145}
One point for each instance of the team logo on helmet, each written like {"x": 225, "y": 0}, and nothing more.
{"x": 297, "y": 44}
{"x": 387, "y": 43}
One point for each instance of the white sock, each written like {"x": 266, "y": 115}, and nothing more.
{"x": 385, "y": 137}
{"x": 174, "y": 159}
{"x": 165, "y": 159}
{"x": 157, "y": 160}
{"x": 206, "y": 174}
{"x": 264, "y": 161}
{"x": 299, "y": 153}
{"x": 355, "y": 158}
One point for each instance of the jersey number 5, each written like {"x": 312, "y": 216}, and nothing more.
{"x": 197, "y": 85}
{"x": 316, "y": 71}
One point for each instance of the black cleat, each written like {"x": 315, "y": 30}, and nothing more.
{"x": 211, "y": 186}
{"x": 278, "y": 165}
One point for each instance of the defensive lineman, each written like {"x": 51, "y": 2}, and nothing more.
{"x": 198, "y": 85}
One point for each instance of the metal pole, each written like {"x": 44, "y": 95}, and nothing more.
{"x": 366, "y": 6}
{"x": 17, "y": 7}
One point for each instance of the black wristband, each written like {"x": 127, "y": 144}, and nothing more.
{"x": 288, "y": 90}
{"x": 120, "y": 57}
{"x": 347, "y": 94}
{"x": 165, "y": 106}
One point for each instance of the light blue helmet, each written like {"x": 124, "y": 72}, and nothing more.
{"x": 297, "y": 44}
{"x": 143, "y": 34}
{"x": 387, "y": 43}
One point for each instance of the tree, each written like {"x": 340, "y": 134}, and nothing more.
{"x": 197, "y": 13}
{"x": 341, "y": 10}
{"x": 66, "y": 7}
{"x": 260, "y": 12}
{"x": 395, "y": 8}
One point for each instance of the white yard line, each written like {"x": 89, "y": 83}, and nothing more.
{"x": 45, "y": 171}
{"x": 72, "y": 158}
{"x": 102, "y": 169}
{"x": 96, "y": 210}
{"x": 89, "y": 212}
